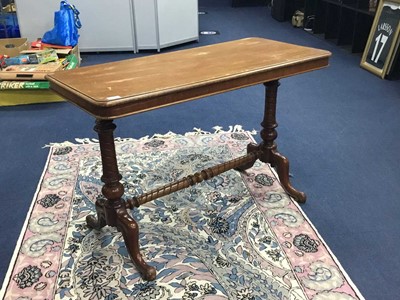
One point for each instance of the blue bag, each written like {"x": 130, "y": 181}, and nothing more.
{"x": 66, "y": 25}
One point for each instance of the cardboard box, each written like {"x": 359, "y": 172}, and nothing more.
{"x": 13, "y": 47}
{"x": 61, "y": 52}
{"x": 32, "y": 92}
{"x": 65, "y": 52}
{"x": 26, "y": 92}
{"x": 29, "y": 72}
{"x": 21, "y": 97}
{"x": 67, "y": 59}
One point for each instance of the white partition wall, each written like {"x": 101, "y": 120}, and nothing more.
{"x": 146, "y": 21}
{"x": 106, "y": 26}
{"x": 35, "y": 17}
{"x": 123, "y": 25}
{"x": 163, "y": 23}
{"x": 178, "y": 21}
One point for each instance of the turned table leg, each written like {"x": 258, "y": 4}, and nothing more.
{"x": 268, "y": 146}
{"x": 112, "y": 211}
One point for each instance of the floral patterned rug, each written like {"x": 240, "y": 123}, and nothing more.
{"x": 236, "y": 236}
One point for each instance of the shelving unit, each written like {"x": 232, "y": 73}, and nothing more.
{"x": 346, "y": 23}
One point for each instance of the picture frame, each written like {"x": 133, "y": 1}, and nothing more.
{"x": 383, "y": 38}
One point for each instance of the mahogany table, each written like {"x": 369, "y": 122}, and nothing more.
{"x": 118, "y": 89}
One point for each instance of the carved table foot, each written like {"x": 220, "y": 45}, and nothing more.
{"x": 130, "y": 231}
{"x": 281, "y": 163}
{"x": 100, "y": 221}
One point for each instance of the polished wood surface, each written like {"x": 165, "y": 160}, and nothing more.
{"x": 117, "y": 89}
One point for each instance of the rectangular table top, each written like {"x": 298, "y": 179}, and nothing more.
{"x": 122, "y": 88}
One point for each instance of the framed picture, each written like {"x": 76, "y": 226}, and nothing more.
{"x": 383, "y": 38}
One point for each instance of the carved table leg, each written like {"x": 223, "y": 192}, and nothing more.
{"x": 112, "y": 211}
{"x": 268, "y": 145}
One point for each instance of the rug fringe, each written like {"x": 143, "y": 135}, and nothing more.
{"x": 169, "y": 134}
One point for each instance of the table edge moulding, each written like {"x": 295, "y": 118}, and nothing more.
{"x": 250, "y": 62}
